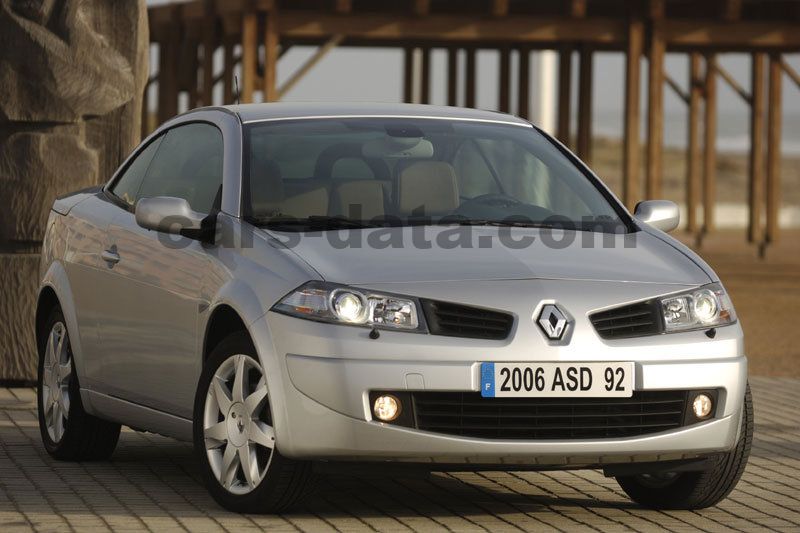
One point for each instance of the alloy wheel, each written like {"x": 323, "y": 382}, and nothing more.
{"x": 237, "y": 425}
{"x": 56, "y": 376}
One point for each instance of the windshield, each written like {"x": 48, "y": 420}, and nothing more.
{"x": 361, "y": 172}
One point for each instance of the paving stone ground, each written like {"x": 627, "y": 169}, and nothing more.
{"x": 153, "y": 484}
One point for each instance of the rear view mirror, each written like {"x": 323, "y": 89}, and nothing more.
{"x": 398, "y": 148}
{"x": 170, "y": 215}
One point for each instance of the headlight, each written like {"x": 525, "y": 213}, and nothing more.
{"x": 706, "y": 307}
{"x": 340, "y": 304}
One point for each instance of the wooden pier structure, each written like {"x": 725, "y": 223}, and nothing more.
{"x": 253, "y": 34}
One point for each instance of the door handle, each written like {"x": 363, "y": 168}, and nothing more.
{"x": 109, "y": 256}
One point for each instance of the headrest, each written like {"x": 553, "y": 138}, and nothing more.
{"x": 427, "y": 185}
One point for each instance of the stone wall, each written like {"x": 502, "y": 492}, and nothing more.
{"x": 72, "y": 75}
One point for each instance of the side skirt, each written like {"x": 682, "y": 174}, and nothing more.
{"x": 136, "y": 416}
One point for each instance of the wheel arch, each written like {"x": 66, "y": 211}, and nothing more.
{"x": 223, "y": 321}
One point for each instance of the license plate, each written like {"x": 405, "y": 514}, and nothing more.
{"x": 557, "y": 380}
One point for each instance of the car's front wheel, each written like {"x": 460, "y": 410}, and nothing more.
{"x": 234, "y": 439}
{"x": 68, "y": 431}
{"x": 695, "y": 490}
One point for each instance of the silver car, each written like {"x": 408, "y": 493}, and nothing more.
{"x": 300, "y": 289}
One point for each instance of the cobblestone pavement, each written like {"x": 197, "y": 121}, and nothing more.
{"x": 152, "y": 484}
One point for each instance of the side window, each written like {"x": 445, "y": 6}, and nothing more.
{"x": 474, "y": 177}
{"x": 188, "y": 165}
{"x": 127, "y": 186}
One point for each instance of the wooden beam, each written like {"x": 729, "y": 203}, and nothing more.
{"x": 523, "y": 83}
{"x": 271, "y": 51}
{"x": 732, "y": 10}
{"x": 452, "y": 76}
{"x": 470, "y": 85}
{"x": 710, "y": 145}
{"x": 309, "y": 24}
{"x": 499, "y": 8}
{"x": 422, "y": 7}
{"x": 249, "y": 56}
{"x": 655, "y": 112}
{"x": 787, "y": 68}
{"x": 693, "y": 166}
{"x": 630, "y": 165}
{"x": 756, "y": 193}
{"x": 577, "y": 8}
{"x": 774, "y": 112}
{"x": 584, "y": 137}
{"x": 680, "y": 93}
{"x": 425, "y": 79}
{"x": 564, "y": 94}
{"x": 408, "y": 74}
{"x": 344, "y": 6}
{"x": 504, "y": 79}
{"x": 731, "y": 81}
{"x": 741, "y": 35}
{"x": 306, "y": 67}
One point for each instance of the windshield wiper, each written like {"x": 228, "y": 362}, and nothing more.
{"x": 500, "y": 223}
{"x": 313, "y": 223}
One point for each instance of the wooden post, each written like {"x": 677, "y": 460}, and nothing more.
{"x": 564, "y": 94}
{"x": 630, "y": 165}
{"x": 249, "y": 56}
{"x": 774, "y": 147}
{"x": 693, "y": 168}
{"x": 655, "y": 112}
{"x": 710, "y": 145}
{"x": 408, "y": 74}
{"x": 271, "y": 50}
{"x": 469, "y": 78}
{"x": 523, "y": 86}
{"x": 227, "y": 74}
{"x": 756, "y": 195}
{"x": 503, "y": 98}
{"x": 209, "y": 45}
{"x": 168, "y": 78}
{"x": 452, "y": 76}
{"x": 584, "y": 141}
{"x": 425, "y": 84}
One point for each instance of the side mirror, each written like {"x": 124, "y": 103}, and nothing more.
{"x": 661, "y": 214}
{"x": 171, "y": 215}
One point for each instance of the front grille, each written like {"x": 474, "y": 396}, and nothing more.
{"x": 468, "y": 414}
{"x": 634, "y": 320}
{"x": 455, "y": 320}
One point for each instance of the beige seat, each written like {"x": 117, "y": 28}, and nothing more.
{"x": 427, "y": 188}
{"x": 358, "y": 199}
{"x": 269, "y": 199}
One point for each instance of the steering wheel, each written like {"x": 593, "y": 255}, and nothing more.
{"x": 491, "y": 200}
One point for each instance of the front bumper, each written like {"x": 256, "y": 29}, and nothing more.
{"x": 321, "y": 407}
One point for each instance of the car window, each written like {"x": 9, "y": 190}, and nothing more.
{"x": 127, "y": 186}
{"x": 474, "y": 176}
{"x": 188, "y": 165}
{"x": 351, "y": 168}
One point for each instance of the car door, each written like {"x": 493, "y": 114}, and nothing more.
{"x": 154, "y": 293}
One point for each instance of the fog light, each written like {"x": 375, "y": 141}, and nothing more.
{"x": 386, "y": 407}
{"x": 702, "y": 405}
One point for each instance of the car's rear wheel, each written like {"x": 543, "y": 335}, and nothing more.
{"x": 234, "y": 439}
{"x": 695, "y": 490}
{"x": 68, "y": 431}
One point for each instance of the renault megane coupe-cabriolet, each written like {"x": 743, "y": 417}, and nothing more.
{"x": 296, "y": 288}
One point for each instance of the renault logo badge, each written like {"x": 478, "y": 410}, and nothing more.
{"x": 553, "y": 322}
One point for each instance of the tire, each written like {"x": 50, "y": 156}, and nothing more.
{"x": 68, "y": 432}
{"x": 695, "y": 490}
{"x": 238, "y": 428}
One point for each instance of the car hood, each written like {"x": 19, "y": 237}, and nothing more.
{"x": 352, "y": 256}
